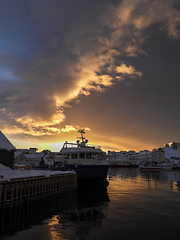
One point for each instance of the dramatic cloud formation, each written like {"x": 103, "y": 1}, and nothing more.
{"x": 57, "y": 55}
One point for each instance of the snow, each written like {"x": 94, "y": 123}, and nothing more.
{"x": 5, "y": 143}
{"x": 16, "y": 154}
{"x": 170, "y": 152}
{"x": 6, "y": 173}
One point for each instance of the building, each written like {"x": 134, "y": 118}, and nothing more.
{"x": 19, "y": 158}
{"x": 29, "y": 157}
{"x": 144, "y": 156}
{"x": 34, "y": 160}
{"x": 6, "y": 151}
{"x": 158, "y": 155}
{"x": 171, "y": 153}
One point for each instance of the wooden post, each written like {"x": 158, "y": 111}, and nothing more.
{"x": 12, "y": 194}
{"x": 1, "y": 190}
{"x": 21, "y": 192}
{"x": 17, "y": 193}
{"x": 35, "y": 192}
{"x": 28, "y": 190}
{"x": 4, "y": 195}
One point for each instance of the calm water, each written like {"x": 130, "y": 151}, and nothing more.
{"x": 135, "y": 204}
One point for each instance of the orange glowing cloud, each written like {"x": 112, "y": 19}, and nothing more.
{"x": 37, "y": 122}
{"x": 68, "y": 129}
{"x": 124, "y": 69}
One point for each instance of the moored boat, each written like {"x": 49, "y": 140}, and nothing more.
{"x": 149, "y": 167}
{"x": 167, "y": 166}
{"x": 87, "y": 161}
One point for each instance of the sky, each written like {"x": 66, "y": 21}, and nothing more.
{"x": 110, "y": 67}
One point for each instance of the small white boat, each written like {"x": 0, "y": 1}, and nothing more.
{"x": 149, "y": 167}
{"x": 165, "y": 166}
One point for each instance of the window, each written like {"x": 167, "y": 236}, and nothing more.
{"x": 88, "y": 155}
{"x": 94, "y": 156}
{"x": 67, "y": 156}
{"x": 82, "y": 155}
{"x": 74, "y": 155}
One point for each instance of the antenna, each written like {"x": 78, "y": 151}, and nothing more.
{"x": 82, "y": 132}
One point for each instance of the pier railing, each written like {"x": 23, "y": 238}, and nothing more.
{"x": 20, "y": 190}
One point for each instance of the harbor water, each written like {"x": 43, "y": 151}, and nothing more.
{"x": 138, "y": 205}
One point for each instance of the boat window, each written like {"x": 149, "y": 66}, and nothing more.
{"x": 88, "y": 155}
{"x": 67, "y": 156}
{"x": 94, "y": 156}
{"x": 74, "y": 155}
{"x": 82, "y": 155}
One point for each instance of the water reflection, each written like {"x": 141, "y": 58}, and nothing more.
{"x": 132, "y": 203}
{"x": 75, "y": 213}
{"x": 31, "y": 213}
{"x": 87, "y": 215}
{"x": 122, "y": 173}
{"x": 172, "y": 178}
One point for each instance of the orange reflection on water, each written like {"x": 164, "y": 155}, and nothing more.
{"x": 59, "y": 231}
{"x": 125, "y": 184}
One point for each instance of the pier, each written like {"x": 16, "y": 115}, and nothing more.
{"x": 18, "y": 191}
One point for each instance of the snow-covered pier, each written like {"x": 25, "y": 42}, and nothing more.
{"x": 27, "y": 186}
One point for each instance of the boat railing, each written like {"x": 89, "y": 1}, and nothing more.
{"x": 81, "y": 144}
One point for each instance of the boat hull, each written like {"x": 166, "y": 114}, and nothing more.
{"x": 150, "y": 169}
{"x": 89, "y": 176}
{"x": 87, "y": 171}
{"x": 122, "y": 165}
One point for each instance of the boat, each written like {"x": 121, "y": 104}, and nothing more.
{"x": 149, "y": 167}
{"x": 167, "y": 166}
{"x": 87, "y": 161}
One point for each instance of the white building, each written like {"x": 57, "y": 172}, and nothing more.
{"x": 158, "y": 155}
{"x": 28, "y": 157}
{"x": 172, "y": 154}
{"x": 144, "y": 156}
{"x": 121, "y": 158}
{"x": 33, "y": 159}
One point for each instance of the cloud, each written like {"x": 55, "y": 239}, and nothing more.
{"x": 124, "y": 69}
{"x": 68, "y": 128}
{"x": 80, "y": 48}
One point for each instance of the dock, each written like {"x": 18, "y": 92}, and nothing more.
{"x": 38, "y": 188}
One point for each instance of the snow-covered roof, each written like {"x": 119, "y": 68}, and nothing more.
{"x": 16, "y": 154}
{"x": 5, "y": 143}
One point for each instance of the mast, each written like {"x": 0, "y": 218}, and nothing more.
{"x": 82, "y": 137}
{"x": 82, "y": 132}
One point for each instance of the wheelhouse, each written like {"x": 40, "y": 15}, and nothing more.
{"x": 83, "y": 155}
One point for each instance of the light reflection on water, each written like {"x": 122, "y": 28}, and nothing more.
{"x": 135, "y": 204}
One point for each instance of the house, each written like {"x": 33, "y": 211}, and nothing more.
{"x": 34, "y": 160}
{"x": 19, "y": 157}
{"x": 6, "y": 151}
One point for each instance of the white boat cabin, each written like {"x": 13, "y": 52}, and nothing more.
{"x": 81, "y": 151}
